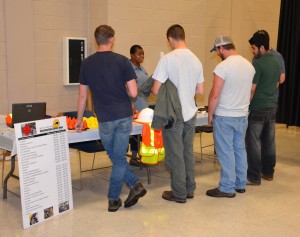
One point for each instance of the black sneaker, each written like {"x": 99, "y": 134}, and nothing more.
{"x": 190, "y": 195}
{"x": 134, "y": 162}
{"x": 240, "y": 190}
{"x": 267, "y": 177}
{"x": 135, "y": 193}
{"x": 113, "y": 205}
{"x": 253, "y": 183}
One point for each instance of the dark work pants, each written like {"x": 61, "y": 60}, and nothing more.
{"x": 260, "y": 144}
{"x": 179, "y": 159}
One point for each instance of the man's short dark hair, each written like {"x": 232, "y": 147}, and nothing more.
{"x": 176, "y": 32}
{"x": 263, "y": 32}
{"x": 134, "y": 48}
{"x": 227, "y": 46}
{"x": 260, "y": 38}
{"x": 103, "y": 33}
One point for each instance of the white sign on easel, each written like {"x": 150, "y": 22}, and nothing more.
{"x": 44, "y": 169}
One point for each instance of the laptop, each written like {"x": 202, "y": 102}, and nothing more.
{"x": 24, "y": 112}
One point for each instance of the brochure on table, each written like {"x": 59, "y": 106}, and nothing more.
{"x": 44, "y": 169}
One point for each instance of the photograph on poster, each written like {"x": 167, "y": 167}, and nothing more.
{"x": 48, "y": 212}
{"x": 64, "y": 206}
{"x": 34, "y": 218}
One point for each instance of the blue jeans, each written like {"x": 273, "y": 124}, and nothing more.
{"x": 179, "y": 159}
{"x": 229, "y": 138}
{"x": 115, "y": 138}
{"x": 260, "y": 144}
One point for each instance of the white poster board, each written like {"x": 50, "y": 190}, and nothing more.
{"x": 44, "y": 169}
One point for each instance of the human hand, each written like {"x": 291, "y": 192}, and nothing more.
{"x": 79, "y": 125}
{"x": 135, "y": 114}
{"x": 210, "y": 120}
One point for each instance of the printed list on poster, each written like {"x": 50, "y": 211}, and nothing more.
{"x": 44, "y": 169}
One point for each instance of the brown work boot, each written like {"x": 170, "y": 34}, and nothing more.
{"x": 135, "y": 193}
{"x": 168, "y": 195}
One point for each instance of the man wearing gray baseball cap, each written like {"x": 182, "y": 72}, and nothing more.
{"x": 221, "y": 40}
{"x": 228, "y": 105}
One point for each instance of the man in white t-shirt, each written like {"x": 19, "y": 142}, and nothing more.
{"x": 185, "y": 71}
{"x": 228, "y": 105}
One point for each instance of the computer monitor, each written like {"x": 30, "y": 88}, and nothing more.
{"x": 24, "y": 112}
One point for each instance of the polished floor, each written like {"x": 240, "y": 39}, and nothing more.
{"x": 271, "y": 209}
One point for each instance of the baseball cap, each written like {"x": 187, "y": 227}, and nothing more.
{"x": 221, "y": 40}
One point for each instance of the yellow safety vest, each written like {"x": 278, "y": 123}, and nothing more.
{"x": 152, "y": 149}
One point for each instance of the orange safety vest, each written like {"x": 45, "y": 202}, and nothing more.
{"x": 152, "y": 148}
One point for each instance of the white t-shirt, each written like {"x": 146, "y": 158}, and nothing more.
{"x": 185, "y": 70}
{"x": 237, "y": 73}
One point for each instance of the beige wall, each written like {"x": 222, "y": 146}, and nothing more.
{"x": 3, "y": 65}
{"x": 31, "y": 33}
